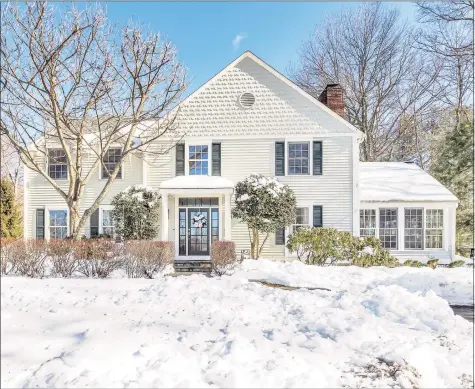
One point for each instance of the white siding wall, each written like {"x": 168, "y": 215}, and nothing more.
{"x": 42, "y": 195}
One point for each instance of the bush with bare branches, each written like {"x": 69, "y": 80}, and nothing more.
{"x": 63, "y": 261}
{"x": 29, "y": 257}
{"x": 97, "y": 257}
{"x": 223, "y": 257}
{"x": 7, "y": 247}
{"x": 146, "y": 258}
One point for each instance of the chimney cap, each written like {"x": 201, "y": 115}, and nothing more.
{"x": 333, "y": 86}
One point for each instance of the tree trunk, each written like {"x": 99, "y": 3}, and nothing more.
{"x": 75, "y": 226}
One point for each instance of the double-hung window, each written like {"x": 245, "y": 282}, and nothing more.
{"x": 388, "y": 227}
{"x": 107, "y": 224}
{"x": 413, "y": 228}
{"x": 367, "y": 222}
{"x": 434, "y": 228}
{"x": 57, "y": 164}
{"x": 198, "y": 159}
{"x": 110, "y": 160}
{"x": 302, "y": 219}
{"x": 58, "y": 224}
{"x": 298, "y": 160}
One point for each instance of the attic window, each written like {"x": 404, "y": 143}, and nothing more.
{"x": 247, "y": 100}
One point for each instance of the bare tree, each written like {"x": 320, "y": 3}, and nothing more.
{"x": 72, "y": 81}
{"x": 370, "y": 52}
{"x": 11, "y": 166}
{"x": 447, "y": 34}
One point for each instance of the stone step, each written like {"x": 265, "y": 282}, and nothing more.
{"x": 184, "y": 266}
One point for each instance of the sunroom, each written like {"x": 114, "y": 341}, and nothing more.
{"x": 408, "y": 210}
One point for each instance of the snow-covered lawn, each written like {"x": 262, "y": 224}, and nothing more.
{"x": 376, "y": 328}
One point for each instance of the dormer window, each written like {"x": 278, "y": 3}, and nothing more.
{"x": 198, "y": 159}
{"x": 57, "y": 164}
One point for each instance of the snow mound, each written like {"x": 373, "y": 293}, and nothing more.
{"x": 228, "y": 332}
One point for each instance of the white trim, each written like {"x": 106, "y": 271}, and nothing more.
{"x": 101, "y": 216}
{"x": 310, "y": 157}
{"x": 355, "y": 188}
{"x": 26, "y": 233}
{"x": 47, "y": 218}
{"x": 197, "y": 142}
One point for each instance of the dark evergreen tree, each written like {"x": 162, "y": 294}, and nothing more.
{"x": 10, "y": 212}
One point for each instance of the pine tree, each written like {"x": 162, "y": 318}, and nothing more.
{"x": 453, "y": 166}
{"x": 10, "y": 212}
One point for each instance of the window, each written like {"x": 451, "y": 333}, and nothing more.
{"x": 302, "y": 219}
{"x": 434, "y": 228}
{"x": 413, "y": 228}
{"x": 388, "y": 227}
{"x": 57, "y": 166}
{"x": 298, "y": 158}
{"x": 58, "y": 224}
{"x": 367, "y": 222}
{"x": 107, "y": 224}
{"x": 111, "y": 158}
{"x": 198, "y": 160}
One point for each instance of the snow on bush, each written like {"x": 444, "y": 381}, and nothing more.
{"x": 136, "y": 212}
{"x": 264, "y": 204}
{"x": 229, "y": 332}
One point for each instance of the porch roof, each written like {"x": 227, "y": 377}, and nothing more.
{"x": 197, "y": 182}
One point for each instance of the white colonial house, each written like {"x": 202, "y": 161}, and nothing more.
{"x": 248, "y": 119}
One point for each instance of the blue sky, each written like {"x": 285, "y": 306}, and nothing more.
{"x": 209, "y": 35}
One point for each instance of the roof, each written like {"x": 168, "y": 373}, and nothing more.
{"x": 197, "y": 182}
{"x": 399, "y": 181}
{"x": 281, "y": 107}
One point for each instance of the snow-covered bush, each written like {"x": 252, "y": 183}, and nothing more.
{"x": 412, "y": 263}
{"x": 265, "y": 205}
{"x": 147, "y": 258}
{"x": 29, "y": 257}
{"x": 432, "y": 263}
{"x": 456, "y": 264}
{"x": 97, "y": 257}
{"x": 63, "y": 260}
{"x": 223, "y": 257}
{"x": 136, "y": 212}
{"x": 369, "y": 251}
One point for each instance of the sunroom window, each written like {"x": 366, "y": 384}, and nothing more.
{"x": 367, "y": 222}
{"x": 198, "y": 158}
{"x": 57, "y": 164}
{"x": 388, "y": 227}
{"x": 58, "y": 224}
{"x": 413, "y": 228}
{"x": 434, "y": 228}
{"x": 302, "y": 219}
{"x": 298, "y": 158}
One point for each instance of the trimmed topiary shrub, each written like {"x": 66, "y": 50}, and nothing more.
{"x": 223, "y": 257}
{"x": 144, "y": 258}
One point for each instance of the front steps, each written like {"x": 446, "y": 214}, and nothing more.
{"x": 187, "y": 267}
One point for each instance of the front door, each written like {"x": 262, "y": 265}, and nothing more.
{"x": 198, "y": 231}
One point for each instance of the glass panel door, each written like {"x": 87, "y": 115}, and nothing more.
{"x": 198, "y": 231}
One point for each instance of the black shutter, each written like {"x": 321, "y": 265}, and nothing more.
{"x": 280, "y": 158}
{"x": 280, "y": 236}
{"x": 94, "y": 223}
{"x": 216, "y": 162}
{"x": 180, "y": 159}
{"x": 317, "y": 158}
{"x": 40, "y": 224}
{"x": 317, "y": 216}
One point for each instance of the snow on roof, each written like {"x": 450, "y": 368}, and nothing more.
{"x": 399, "y": 181}
{"x": 197, "y": 182}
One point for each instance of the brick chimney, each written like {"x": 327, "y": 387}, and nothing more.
{"x": 333, "y": 97}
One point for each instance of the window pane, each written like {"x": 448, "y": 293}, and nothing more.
{"x": 367, "y": 222}
{"x": 434, "y": 228}
{"x": 298, "y": 161}
{"x": 111, "y": 158}
{"x": 388, "y": 227}
{"x": 198, "y": 160}
{"x": 413, "y": 228}
{"x": 58, "y": 223}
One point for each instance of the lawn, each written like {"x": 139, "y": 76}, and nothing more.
{"x": 375, "y": 327}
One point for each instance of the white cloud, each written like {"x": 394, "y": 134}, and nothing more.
{"x": 238, "y": 38}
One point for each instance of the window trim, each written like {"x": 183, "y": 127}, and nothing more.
{"x": 297, "y": 139}
{"x": 101, "y": 218}
{"x": 199, "y": 142}
{"x": 48, "y": 164}
{"x": 121, "y": 167}
{"x": 48, "y": 221}
{"x": 441, "y": 228}
{"x": 287, "y": 157}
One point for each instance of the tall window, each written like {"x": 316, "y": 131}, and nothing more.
{"x": 57, "y": 165}
{"x": 198, "y": 158}
{"x": 107, "y": 225}
{"x": 302, "y": 219}
{"x": 367, "y": 222}
{"x": 434, "y": 228}
{"x": 388, "y": 227}
{"x": 111, "y": 158}
{"x": 58, "y": 224}
{"x": 413, "y": 228}
{"x": 298, "y": 158}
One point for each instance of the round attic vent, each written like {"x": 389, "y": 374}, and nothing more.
{"x": 247, "y": 100}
